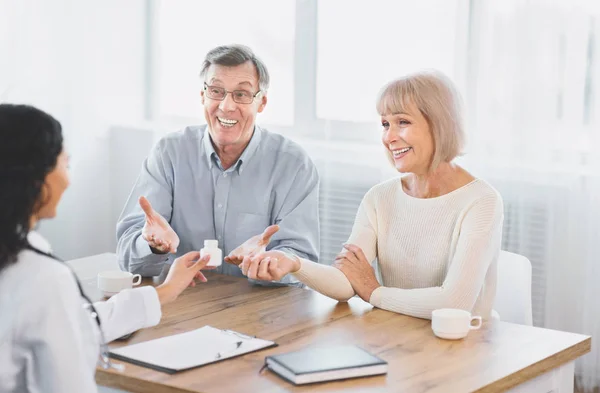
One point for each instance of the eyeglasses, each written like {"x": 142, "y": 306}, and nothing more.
{"x": 239, "y": 96}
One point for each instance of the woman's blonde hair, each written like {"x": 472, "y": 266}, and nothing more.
{"x": 438, "y": 100}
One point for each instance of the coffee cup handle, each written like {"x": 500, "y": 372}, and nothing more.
{"x": 137, "y": 277}
{"x": 475, "y": 327}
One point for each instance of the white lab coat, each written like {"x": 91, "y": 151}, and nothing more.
{"x": 49, "y": 342}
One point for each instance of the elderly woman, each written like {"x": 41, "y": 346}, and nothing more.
{"x": 435, "y": 232}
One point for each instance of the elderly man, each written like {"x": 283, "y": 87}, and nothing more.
{"x": 227, "y": 180}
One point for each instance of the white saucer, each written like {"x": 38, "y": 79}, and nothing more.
{"x": 450, "y": 336}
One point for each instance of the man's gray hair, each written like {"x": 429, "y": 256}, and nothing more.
{"x": 234, "y": 55}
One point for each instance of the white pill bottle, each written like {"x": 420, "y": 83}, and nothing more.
{"x": 211, "y": 247}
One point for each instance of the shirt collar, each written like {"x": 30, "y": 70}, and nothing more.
{"x": 247, "y": 154}
{"x": 209, "y": 150}
{"x": 38, "y": 241}
{"x": 250, "y": 150}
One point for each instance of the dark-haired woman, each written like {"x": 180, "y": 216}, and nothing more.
{"x": 51, "y": 336}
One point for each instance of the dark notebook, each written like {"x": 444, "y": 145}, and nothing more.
{"x": 318, "y": 364}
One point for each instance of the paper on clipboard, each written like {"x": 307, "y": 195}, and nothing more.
{"x": 189, "y": 350}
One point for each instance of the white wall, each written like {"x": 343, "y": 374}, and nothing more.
{"x": 83, "y": 62}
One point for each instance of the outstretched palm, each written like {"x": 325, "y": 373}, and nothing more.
{"x": 253, "y": 246}
{"x": 157, "y": 231}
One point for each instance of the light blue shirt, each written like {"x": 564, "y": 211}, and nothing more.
{"x": 273, "y": 182}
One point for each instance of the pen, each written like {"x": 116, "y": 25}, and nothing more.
{"x": 237, "y": 345}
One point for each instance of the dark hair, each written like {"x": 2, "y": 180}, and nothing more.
{"x": 234, "y": 55}
{"x": 31, "y": 141}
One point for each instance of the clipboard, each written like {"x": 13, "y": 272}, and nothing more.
{"x": 185, "y": 351}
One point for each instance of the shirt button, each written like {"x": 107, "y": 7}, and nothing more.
{"x": 219, "y": 205}
{"x": 224, "y": 174}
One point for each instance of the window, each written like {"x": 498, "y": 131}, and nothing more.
{"x": 322, "y": 86}
{"x": 378, "y": 40}
{"x": 534, "y": 83}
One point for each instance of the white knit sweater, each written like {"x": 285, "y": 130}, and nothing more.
{"x": 431, "y": 253}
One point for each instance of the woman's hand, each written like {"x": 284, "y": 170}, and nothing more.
{"x": 353, "y": 263}
{"x": 270, "y": 265}
{"x": 182, "y": 273}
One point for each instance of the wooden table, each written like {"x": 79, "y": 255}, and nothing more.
{"x": 499, "y": 357}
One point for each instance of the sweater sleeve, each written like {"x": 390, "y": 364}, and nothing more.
{"x": 329, "y": 280}
{"x": 477, "y": 247}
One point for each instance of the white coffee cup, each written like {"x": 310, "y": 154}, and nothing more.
{"x": 111, "y": 282}
{"x": 453, "y": 323}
